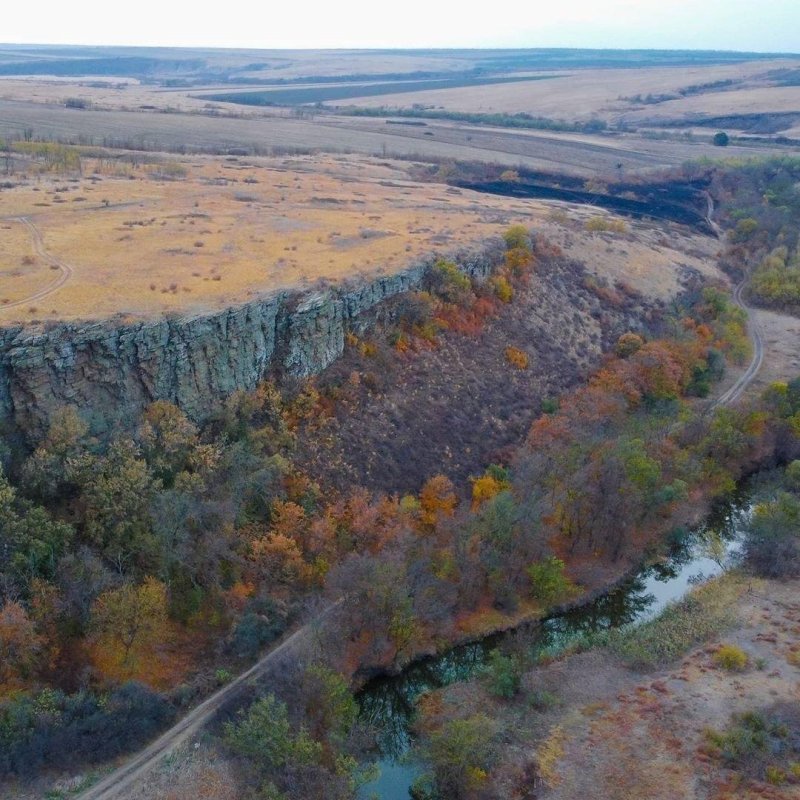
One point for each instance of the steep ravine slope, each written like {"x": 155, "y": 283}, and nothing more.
{"x": 457, "y": 404}
{"x": 110, "y": 371}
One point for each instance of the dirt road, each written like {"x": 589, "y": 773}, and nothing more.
{"x": 747, "y": 377}
{"x": 64, "y": 269}
{"x": 117, "y": 782}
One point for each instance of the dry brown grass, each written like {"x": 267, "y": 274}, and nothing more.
{"x": 229, "y": 230}
{"x": 650, "y": 258}
{"x": 782, "y": 361}
{"x": 22, "y": 272}
{"x": 580, "y": 94}
{"x": 118, "y": 94}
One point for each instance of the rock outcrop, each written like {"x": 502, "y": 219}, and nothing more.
{"x": 111, "y": 371}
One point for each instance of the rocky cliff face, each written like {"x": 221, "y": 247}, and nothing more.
{"x": 110, "y": 372}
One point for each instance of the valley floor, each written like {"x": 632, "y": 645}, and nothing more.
{"x": 621, "y": 734}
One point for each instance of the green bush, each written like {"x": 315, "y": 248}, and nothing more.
{"x": 265, "y": 734}
{"x": 541, "y": 700}
{"x": 449, "y": 283}
{"x": 54, "y": 730}
{"x": 503, "y": 674}
{"x": 762, "y": 745}
{"x": 517, "y": 236}
{"x": 548, "y": 583}
{"x": 263, "y": 621}
{"x": 460, "y": 754}
{"x": 772, "y": 547}
{"x": 550, "y": 405}
{"x": 721, "y": 139}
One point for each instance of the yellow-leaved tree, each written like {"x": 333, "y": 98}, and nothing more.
{"x": 127, "y": 622}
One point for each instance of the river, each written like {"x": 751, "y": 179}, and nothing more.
{"x": 388, "y": 702}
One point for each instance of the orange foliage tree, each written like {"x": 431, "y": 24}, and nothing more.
{"x": 20, "y": 646}
{"x": 437, "y": 499}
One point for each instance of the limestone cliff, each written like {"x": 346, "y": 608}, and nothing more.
{"x": 110, "y": 372}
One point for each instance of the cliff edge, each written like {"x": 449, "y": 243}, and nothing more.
{"x": 111, "y": 371}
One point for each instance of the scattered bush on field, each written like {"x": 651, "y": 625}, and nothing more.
{"x": 761, "y": 745}
{"x": 606, "y": 225}
{"x": 731, "y": 658}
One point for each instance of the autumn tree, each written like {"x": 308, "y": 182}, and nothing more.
{"x": 127, "y": 621}
{"x": 461, "y": 753}
{"x": 278, "y": 562}
{"x": 437, "y": 499}
{"x": 493, "y": 481}
{"x": 20, "y": 646}
{"x": 116, "y": 504}
{"x": 167, "y": 439}
{"x": 63, "y": 458}
{"x": 628, "y": 344}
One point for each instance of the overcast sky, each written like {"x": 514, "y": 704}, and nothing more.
{"x": 766, "y": 25}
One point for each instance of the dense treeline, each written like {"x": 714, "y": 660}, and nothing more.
{"x": 115, "y": 66}
{"x": 760, "y": 202}
{"x": 518, "y": 120}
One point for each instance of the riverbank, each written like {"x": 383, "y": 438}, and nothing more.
{"x": 393, "y": 704}
{"x": 589, "y": 726}
{"x": 488, "y": 622}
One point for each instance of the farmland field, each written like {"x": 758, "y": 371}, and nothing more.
{"x": 608, "y": 92}
{"x": 194, "y": 202}
{"x": 275, "y": 95}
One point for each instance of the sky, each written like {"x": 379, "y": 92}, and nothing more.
{"x": 764, "y": 26}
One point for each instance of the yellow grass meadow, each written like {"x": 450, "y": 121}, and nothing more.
{"x": 193, "y": 234}
{"x": 186, "y": 235}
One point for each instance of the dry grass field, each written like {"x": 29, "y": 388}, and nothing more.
{"x": 576, "y": 94}
{"x": 165, "y": 112}
{"x": 205, "y": 233}
{"x": 571, "y": 95}
{"x": 571, "y": 153}
{"x": 185, "y": 235}
{"x": 649, "y": 257}
{"x": 22, "y": 272}
{"x": 107, "y": 94}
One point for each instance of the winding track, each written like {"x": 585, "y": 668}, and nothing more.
{"x": 117, "y": 782}
{"x": 38, "y": 245}
{"x": 746, "y": 378}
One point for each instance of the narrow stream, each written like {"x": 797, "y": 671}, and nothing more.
{"x": 388, "y": 702}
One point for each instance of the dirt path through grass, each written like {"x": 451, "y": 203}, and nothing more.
{"x": 65, "y": 270}
{"x": 116, "y": 783}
